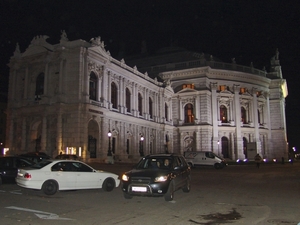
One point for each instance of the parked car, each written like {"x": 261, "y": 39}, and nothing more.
{"x": 51, "y": 176}
{"x": 36, "y": 156}
{"x": 67, "y": 156}
{"x": 204, "y": 158}
{"x": 157, "y": 175}
{"x": 9, "y": 166}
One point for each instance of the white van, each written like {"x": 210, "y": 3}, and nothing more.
{"x": 204, "y": 158}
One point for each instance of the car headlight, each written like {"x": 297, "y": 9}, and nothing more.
{"x": 125, "y": 177}
{"x": 161, "y": 179}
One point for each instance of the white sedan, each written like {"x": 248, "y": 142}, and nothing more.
{"x": 51, "y": 176}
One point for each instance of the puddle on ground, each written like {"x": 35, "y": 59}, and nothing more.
{"x": 219, "y": 218}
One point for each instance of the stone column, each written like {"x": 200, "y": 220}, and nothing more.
{"x": 99, "y": 88}
{"x": 23, "y": 144}
{"x": 25, "y": 84}
{"x": 61, "y": 75}
{"x": 256, "y": 125}
{"x": 239, "y": 139}
{"x": 59, "y": 132}
{"x": 109, "y": 90}
{"x": 215, "y": 113}
{"x": 44, "y": 134}
{"x": 46, "y": 82}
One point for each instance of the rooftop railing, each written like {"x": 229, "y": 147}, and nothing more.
{"x": 202, "y": 63}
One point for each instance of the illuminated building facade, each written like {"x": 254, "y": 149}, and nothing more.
{"x": 74, "y": 97}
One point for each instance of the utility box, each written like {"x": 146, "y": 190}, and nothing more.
{"x": 251, "y": 150}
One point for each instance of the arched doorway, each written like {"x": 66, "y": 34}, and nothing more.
{"x": 225, "y": 147}
{"x": 35, "y": 137}
{"x": 93, "y": 133}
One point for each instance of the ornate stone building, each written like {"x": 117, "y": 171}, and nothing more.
{"x": 74, "y": 97}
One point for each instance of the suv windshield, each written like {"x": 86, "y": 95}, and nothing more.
{"x": 155, "y": 163}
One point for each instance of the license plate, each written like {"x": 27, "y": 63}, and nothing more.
{"x": 139, "y": 189}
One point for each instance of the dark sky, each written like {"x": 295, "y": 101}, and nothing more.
{"x": 249, "y": 31}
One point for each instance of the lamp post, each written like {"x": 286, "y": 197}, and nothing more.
{"x": 141, "y": 146}
{"x": 109, "y": 144}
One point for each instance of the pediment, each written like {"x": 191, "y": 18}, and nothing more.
{"x": 225, "y": 92}
{"x": 38, "y": 45}
{"x": 100, "y": 50}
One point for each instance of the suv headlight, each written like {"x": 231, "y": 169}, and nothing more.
{"x": 125, "y": 177}
{"x": 161, "y": 179}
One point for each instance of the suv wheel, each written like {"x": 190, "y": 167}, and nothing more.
{"x": 169, "y": 196}
{"x": 127, "y": 196}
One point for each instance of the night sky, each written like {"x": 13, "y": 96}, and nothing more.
{"x": 249, "y": 31}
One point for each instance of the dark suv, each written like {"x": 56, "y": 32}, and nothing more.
{"x": 9, "y": 166}
{"x": 36, "y": 157}
{"x": 157, "y": 175}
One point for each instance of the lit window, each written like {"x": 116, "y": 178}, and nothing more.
{"x": 222, "y": 88}
{"x": 243, "y": 90}
{"x": 243, "y": 115}
{"x": 223, "y": 114}
{"x": 191, "y": 86}
{"x": 189, "y": 114}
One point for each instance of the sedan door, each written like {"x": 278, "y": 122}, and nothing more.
{"x": 66, "y": 177}
{"x": 86, "y": 176}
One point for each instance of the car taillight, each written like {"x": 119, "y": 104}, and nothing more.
{"x": 27, "y": 175}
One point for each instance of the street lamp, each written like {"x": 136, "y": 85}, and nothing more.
{"x": 109, "y": 144}
{"x": 141, "y": 146}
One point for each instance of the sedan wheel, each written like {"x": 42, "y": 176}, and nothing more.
{"x": 50, "y": 187}
{"x": 108, "y": 184}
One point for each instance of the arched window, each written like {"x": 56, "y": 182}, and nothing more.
{"x": 243, "y": 115}
{"x": 166, "y": 112}
{"x": 93, "y": 86}
{"x": 128, "y": 100}
{"x": 114, "y": 95}
{"x": 150, "y": 108}
{"x": 189, "y": 113}
{"x": 140, "y": 104}
{"x": 258, "y": 116}
{"x": 39, "y": 86}
{"x": 223, "y": 114}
